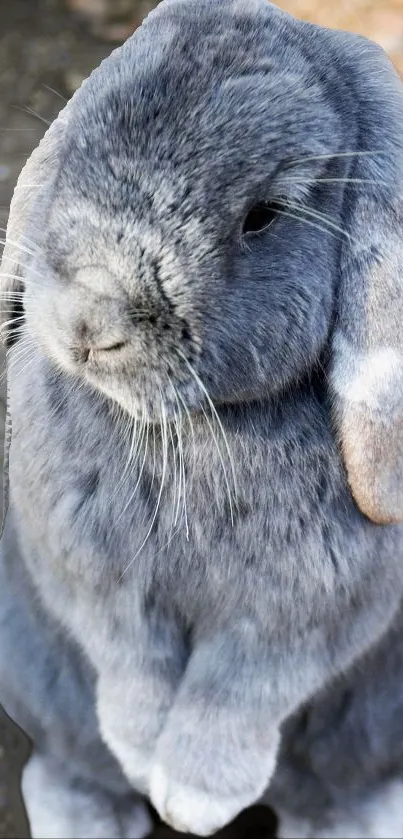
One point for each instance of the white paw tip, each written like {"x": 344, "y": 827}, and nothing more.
{"x": 158, "y": 787}
{"x": 189, "y": 810}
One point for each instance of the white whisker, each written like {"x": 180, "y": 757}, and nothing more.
{"x": 31, "y": 112}
{"x": 296, "y": 180}
{"x": 165, "y": 440}
{"x": 320, "y": 216}
{"x": 175, "y": 478}
{"x": 306, "y": 221}
{"x": 134, "y": 442}
{"x": 224, "y": 436}
{"x": 11, "y": 321}
{"x": 56, "y": 92}
{"x": 178, "y": 425}
{"x": 145, "y": 433}
{"x": 14, "y": 244}
{"x": 24, "y": 369}
{"x": 179, "y": 473}
{"x": 336, "y": 155}
{"x": 17, "y": 129}
{"x": 21, "y": 278}
{"x": 15, "y": 353}
{"x": 64, "y": 398}
{"x": 23, "y": 236}
{"x": 154, "y": 517}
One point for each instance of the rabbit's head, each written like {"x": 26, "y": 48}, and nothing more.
{"x": 218, "y": 211}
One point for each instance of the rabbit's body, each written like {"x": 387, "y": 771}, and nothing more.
{"x": 315, "y": 555}
{"x": 341, "y": 755}
{"x": 178, "y": 480}
{"x": 329, "y": 581}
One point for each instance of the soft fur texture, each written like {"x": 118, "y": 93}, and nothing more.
{"x": 207, "y": 425}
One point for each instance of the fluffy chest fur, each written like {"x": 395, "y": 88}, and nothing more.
{"x": 189, "y": 516}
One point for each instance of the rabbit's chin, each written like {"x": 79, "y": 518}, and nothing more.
{"x": 150, "y": 396}
{"x": 157, "y": 404}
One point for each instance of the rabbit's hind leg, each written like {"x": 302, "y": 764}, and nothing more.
{"x": 63, "y": 807}
{"x": 378, "y": 815}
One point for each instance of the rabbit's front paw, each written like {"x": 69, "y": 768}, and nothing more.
{"x": 135, "y": 759}
{"x": 136, "y": 763}
{"x": 191, "y": 810}
{"x": 204, "y": 794}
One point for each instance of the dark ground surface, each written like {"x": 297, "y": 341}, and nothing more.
{"x": 45, "y": 52}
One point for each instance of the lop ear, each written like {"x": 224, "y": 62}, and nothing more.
{"x": 32, "y": 183}
{"x": 35, "y": 178}
{"x": 367, "y": 366}
{"x": 32, "y": 187}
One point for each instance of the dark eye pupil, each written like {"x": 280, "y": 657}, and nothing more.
{"x": 259, "y": 218}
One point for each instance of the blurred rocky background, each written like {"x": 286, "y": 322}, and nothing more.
{"x": 46, "y": 48}
{"x": 381, "y": 20}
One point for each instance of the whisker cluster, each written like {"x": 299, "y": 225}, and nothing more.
{"x": 174, "y": 453}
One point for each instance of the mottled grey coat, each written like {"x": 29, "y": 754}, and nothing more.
{"x": 202, "y": 565}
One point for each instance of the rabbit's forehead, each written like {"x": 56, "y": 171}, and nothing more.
{"x": 171, "y": 147}
{"x": 186, "y": 83}
{"x": 191, "y": 113}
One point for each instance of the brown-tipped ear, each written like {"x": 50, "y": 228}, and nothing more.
{"x": 367, "y": 379}
{"x": 367, "y": 368}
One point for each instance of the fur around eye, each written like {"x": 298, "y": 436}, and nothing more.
{"x": 259, "y": 218}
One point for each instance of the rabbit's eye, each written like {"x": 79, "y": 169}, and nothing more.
{"x": 259, "y": 217}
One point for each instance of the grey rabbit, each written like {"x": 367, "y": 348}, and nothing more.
{"x": 202, "y": 560}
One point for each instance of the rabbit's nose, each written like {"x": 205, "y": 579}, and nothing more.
{"x": 89, "y": 341}
{"x": 80, "y": 354}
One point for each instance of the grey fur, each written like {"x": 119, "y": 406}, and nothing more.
{"x": 204, "y": 570}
